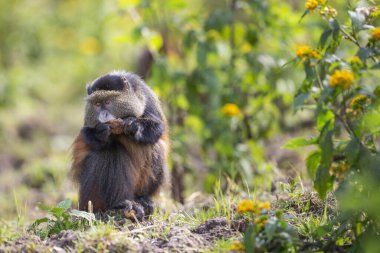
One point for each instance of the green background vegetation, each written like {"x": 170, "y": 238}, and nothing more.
{"x": 199, "y": 56}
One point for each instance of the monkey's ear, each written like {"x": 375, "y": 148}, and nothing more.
{"x": 88, "y": 89}
{"x": 126, "y": 83}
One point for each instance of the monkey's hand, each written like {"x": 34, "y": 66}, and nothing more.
{"x": 96, "y": 137}
{"x": 102, "y": 132}
{"x": 117, "y": 126}
{"x": 131, "y": 126}
{"x": 143, "y": 130}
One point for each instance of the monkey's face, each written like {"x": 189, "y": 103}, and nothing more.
{"x": 105, "y": 105}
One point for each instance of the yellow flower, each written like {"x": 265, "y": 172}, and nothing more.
{"x": 305, "y": 51}
{"x": 311, "y": 5}
{"x": 90, "y": 46}
{"x": 357, "y": 100}
{"x": 315, "y": 54}
{"x": 354, "y": 60}
{"x": 231, "y": 110}
{"x": 264, "y": 205}
{"x": 341, "y": 78}
{"x": 261, "y": 221}
{"x": 237, "y": 246}
{"x": 246, "y": 48}
{"x": 245, "y": 206}
{"x": 213, "y": 34}
{"x": 339, "y": 170}
{"x": 376, "y": 33}
{"x": 358, "y": 104}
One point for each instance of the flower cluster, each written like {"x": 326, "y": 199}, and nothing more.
{"x": 339, "y": 170}
{"x": 376, "y": 34}
{"x": 328, "y": 12}
{"x": 358, "y": 101}
{"x": 357, "y": 106}
{"x": 307, "y": 52}
{"x": 231, "y": 110}
{"x": 354, "y": 60}
{"x": 252, "y": 206}
{"x": 261, "y": 221}
{"x": 237, "y": 246}
{"x": 311, "y": 5}
{"x": 341, "y": 78}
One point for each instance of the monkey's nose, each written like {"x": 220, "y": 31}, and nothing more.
{"x": 105, "y": 116}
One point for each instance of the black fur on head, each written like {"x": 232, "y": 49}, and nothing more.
{"x": 111, "y": 81}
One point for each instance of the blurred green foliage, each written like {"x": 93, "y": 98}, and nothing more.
{"x": 341, "y": 87}
{"x": 216, "y": 66}
{"x": 222, "y": 71}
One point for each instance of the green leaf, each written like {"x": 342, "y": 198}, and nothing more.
{"x": 323, "y": 181}
{"x": 218, "y": 20}
{"x": 270, "y": 229}
{"x": 189, "y": 39}
{"x": 57, "y": 211}
{"x": 364, "y": 53}
{"x": 201, "y": 54}
{"x": 252, "y": 36}
{"x": 43, "y": 207}
{"x": 335, "y": 26}
{"x": 324, "y": 116}
{"x": 352, "y": 151}
{"x": 82, "y": 214}
{"x": 300, "y": 99}
{"x": 39, "y": 221}
{"x": 324, "y": 37}
{"x": 326, "y": 144}
{"x": 299, "y": 142}
{"x": 310, "y": 75}
{"x": 377, "y": 91}
{"x": 375, "y": 66}
{"x": 304, "y": 14}
{"x": 65, "y": 204}
{"x": 312, "y": 162}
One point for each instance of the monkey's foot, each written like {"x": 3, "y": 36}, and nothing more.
{"x": 147, "y": 204}
{"x": 133, "y": 210}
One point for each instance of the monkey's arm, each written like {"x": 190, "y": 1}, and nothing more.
{"x": 97, "y": 137}
{"x": 149, "y": 127}
{"x": 79, "y": 151}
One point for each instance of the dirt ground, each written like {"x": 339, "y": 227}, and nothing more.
{"x": 149, "y": 236}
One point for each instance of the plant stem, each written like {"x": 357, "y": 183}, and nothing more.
{"x": 318, "y": 77}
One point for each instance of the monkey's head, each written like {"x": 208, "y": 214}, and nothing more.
{"x": 112, "y": 96}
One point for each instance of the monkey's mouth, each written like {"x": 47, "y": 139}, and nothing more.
{"x": 105, "y": 116}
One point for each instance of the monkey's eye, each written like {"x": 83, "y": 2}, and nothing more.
{"x": 107, "y": 102}
{"x": 97, "y": 104}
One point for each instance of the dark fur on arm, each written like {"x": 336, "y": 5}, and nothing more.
{"x": 147, "y": 129}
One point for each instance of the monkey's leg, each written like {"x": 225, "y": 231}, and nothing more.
{"x": 147, "y": 204}
{"x": 89, "y": 188}
{"x": 155, "y": 182}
